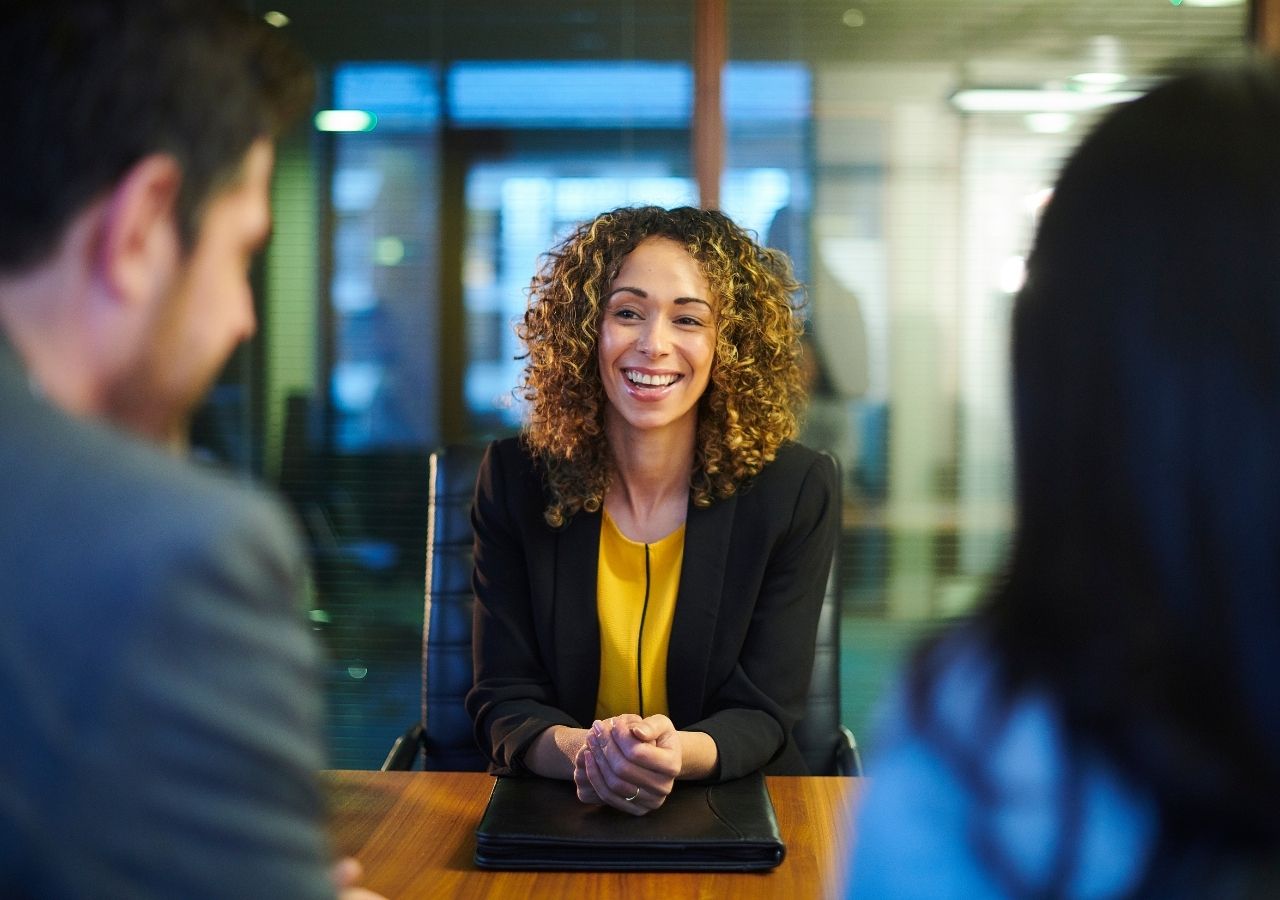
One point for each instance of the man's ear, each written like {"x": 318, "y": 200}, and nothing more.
{"x": 138, "y": 246}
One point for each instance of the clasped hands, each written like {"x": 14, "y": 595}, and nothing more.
{"x": 628, "y": 763}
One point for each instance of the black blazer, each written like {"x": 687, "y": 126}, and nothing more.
{"x": 741, "y": 652}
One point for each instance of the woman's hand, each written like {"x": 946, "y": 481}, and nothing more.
{"x": 629, "y": 763}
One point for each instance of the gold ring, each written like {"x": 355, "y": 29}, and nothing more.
{"x": 633, "y": 796}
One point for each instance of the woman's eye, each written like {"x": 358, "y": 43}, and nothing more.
{"x": 626, "y": 314}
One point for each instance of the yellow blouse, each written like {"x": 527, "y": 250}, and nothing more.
{"x": 635, "y": 602}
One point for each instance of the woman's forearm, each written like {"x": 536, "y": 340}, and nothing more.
{"x": 551, "y": 754}
{"x": 699, "y": 756}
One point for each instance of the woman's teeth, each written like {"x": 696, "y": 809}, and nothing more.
{"x": 651, "y": 380}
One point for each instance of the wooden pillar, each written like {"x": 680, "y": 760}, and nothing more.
{"x": 1265, "y": 25}
{"x": 710, "y": 40}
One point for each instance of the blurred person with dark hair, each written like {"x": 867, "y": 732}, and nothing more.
{"x": 158, "y": 687}
{"x": 651, "y": 552}
{"x": 1106, "y": 724}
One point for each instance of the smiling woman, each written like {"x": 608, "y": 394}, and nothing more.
{"x": 651, "y": 552}
{"x": 656, "y": 344}
{"x": 754, "y": 386}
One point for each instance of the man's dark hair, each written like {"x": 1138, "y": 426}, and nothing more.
{"x": 92, "y": 86}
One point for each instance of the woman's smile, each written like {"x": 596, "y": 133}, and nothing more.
{"x": 648, "y": 379}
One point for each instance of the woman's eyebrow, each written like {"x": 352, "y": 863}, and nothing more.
{"x": 679, "y": 301}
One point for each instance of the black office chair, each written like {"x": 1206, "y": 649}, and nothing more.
{"x": 445, "y": 734}
{"x": 828, "y": 747}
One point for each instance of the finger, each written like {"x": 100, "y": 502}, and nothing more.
{"x": 612, "y": 791}
{"x": 346, "y": 872}
{"x": 588, "y": 797}
{"x": 616, "y": 726}
{"x": 644, "y": 800}
{"x": 644, "y": 761}
{"x": 614, "y": 760}
{"x": 595, "y": 777}
{"x": 600, "y": 735}
{"x": 612, "y": 751}
{"x": 598, "y": 743}
{"x": 586, "y": 793}
{"x": 654, "y": 726}
{"x": 359, "y": 893}
{"x": 608, "y": 787}
{"x": 628, "y": 763}
{"x": 633, "y": 736}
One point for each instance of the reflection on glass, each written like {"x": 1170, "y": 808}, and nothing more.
{"x": 382, "y": 291}
{"x": 936, "y": 130}
{"x": 522, "y": 202}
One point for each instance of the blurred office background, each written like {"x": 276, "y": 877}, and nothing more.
{"x": 899, "y": 150}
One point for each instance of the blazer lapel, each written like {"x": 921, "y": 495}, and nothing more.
{"x": 577, "y": 628}
{"x": 706, "y": 551}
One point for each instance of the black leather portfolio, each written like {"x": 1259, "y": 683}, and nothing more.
{"x": 539, "y": 823}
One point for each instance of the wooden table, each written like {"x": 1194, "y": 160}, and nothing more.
{"x": 414, "y": 833}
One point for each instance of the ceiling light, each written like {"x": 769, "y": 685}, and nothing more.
{"x": 1035, "y": 100}
{"x": 1103, "y": 69}
{"x": 1049, "y": 122}
{"x": 854, "y": 18}
{"x": 1211, "y": 2}
{"x": 276, "y": 18}
{"x": 345, "y": 120}
{"x": 1100, "y": 79}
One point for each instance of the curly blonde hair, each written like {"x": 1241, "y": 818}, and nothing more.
{"x": 755, "y": 391}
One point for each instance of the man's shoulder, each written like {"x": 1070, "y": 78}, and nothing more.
{"x": 116, "y": 494}
{"x": 117, "y": 554}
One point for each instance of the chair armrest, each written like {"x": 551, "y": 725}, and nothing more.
{"x": 848, "y": 760}
{"x": 404, "y": 751}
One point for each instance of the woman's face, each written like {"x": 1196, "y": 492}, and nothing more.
{"x": 657, "y": 338}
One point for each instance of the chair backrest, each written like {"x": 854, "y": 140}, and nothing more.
{"x": 448, "y": 739}
{"x": 827, "y": 746}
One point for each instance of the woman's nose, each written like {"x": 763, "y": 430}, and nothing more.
{"x": 653, "y": 341}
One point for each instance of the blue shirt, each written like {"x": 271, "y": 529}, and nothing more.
{"x": 1008, "y": 808}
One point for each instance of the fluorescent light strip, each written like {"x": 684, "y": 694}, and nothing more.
{"x": 345, "y": 120}
{"x": 1029, "y": 100}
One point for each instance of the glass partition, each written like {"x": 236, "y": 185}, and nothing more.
{"x": 936, "y": 133}
{"x": 898, "y": 149}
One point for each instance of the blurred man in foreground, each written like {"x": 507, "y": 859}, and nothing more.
{"x": 157, "y": 687}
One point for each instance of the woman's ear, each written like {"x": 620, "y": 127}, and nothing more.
{"x": 138, "y": 246}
